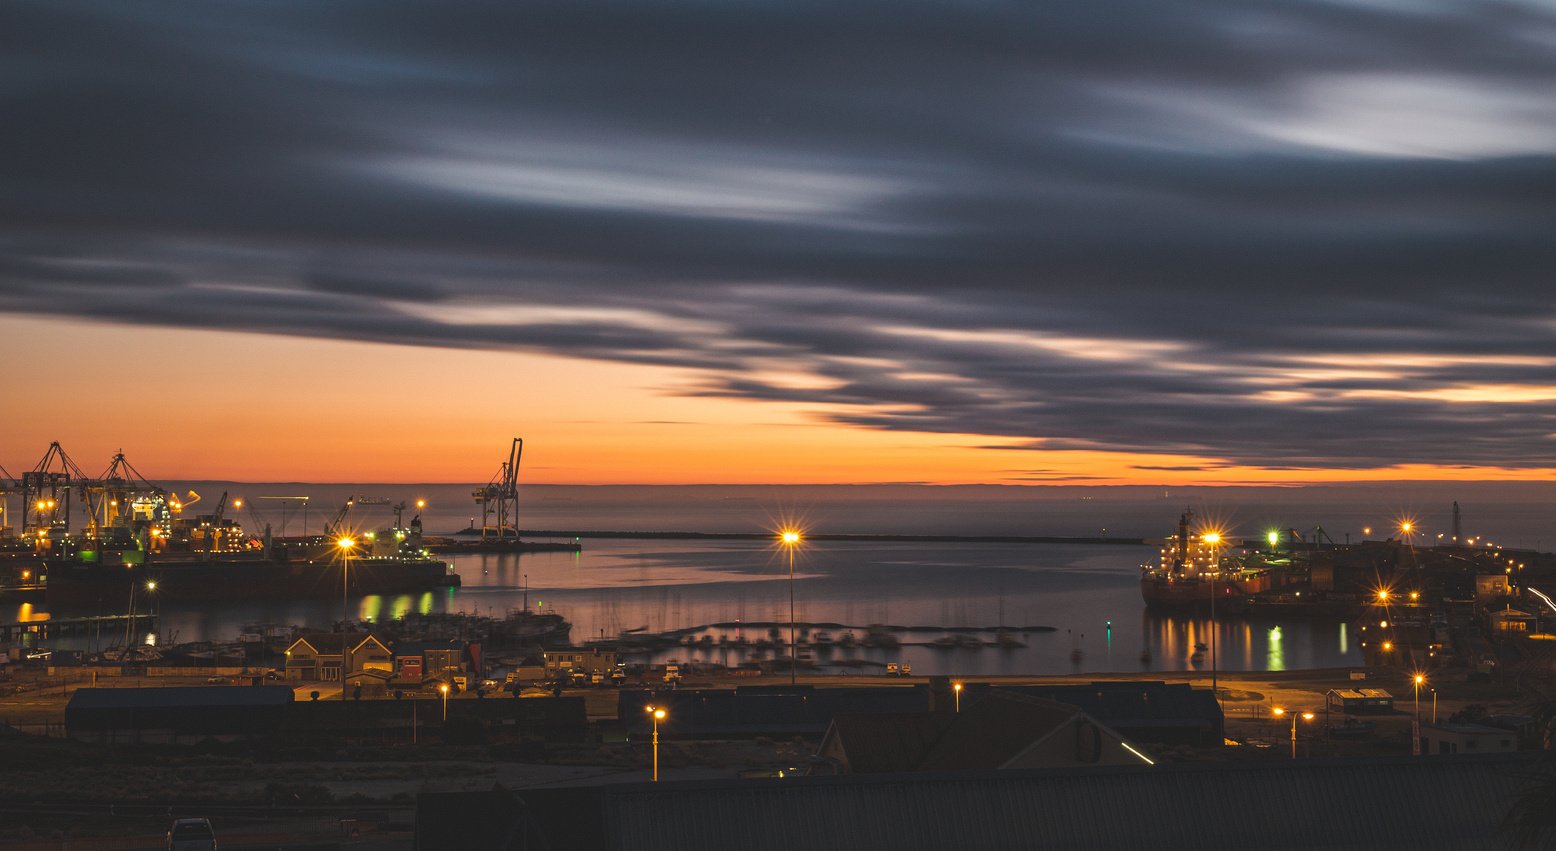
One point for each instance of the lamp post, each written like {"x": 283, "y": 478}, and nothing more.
{"x": 1306, "y": 716}
{"x": 791, "y": 539}
{"x": 1434, "y": 706}
{"x": 957, "y": 687}
{"x": 151, "y": 585}
{"x": 444, "y": 688}
{"x": 1214, "y": 540}
{"x": 345, "y": 543}
{"x": 657, "y": 714}
{"x": 1415, "y": 726}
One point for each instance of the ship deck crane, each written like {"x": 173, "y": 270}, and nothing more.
{"x": 288, "y": 510}
{"x": 337, "y": 523}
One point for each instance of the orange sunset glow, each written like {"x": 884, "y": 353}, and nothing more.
{"x": 251, "y": 407}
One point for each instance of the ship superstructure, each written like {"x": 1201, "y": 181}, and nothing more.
{"x": 1198, "y": 562}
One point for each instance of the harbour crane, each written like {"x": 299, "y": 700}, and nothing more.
{"x": 46, "y": 492}
{"x": 7, "y": 481}
{"x": 499, "y": 499}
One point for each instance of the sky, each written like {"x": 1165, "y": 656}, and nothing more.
{"x": 1142, "y": 241}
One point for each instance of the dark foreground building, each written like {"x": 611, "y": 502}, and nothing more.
{"x": 1444, "y": 804}
{"x": 185, "y": 714}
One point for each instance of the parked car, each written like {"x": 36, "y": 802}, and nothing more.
{"x": 217, "y": 680}
{"x": 191, "y": 834}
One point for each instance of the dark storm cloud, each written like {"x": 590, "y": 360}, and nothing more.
{"x": 1293, "y": 235}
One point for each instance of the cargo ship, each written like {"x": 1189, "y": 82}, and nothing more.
{"x": 1197, "y": 565}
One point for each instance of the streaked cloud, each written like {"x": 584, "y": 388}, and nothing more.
{"x": 1307, "y": 235}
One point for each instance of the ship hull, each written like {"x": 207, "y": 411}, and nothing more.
{"x": 76, "y": 585}
{"x": 1183, "y": 593}
{"x": 1162, "y": 593}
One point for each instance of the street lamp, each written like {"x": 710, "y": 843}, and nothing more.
{"x": 957, "y": 687}
{"x": 790, "y": 538}
{"x": 657, "y": 713}
{"x": 1214, "y": 540}
{"x": 345, "y": 543}
{"x": 151, "y": 585}
{"x": 1306, "y": 716}
{"x": 1415, "y": 745}
{"x": 444, "y": 688}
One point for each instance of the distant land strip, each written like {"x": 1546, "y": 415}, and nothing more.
{"x": 768, "y": 536}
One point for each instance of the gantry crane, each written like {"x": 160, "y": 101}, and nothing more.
{"x": 7, "y": 482}
{"x": 46, "y": 493}
{"x": 500, "y": 498}
{"x": 122, "y": 500}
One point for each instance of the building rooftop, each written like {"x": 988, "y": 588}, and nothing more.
{"x": 179, "y": 697}
{"x": 1449, "y": 803}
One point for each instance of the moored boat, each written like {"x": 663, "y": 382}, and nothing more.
{"x": 1195, "y": 567}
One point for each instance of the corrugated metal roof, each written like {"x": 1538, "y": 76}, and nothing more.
{"x": 179, "y": 697}
{"x": 993, "y": 731}
{"x": 888, "y": 742}
{"x": 1447, "y": 803}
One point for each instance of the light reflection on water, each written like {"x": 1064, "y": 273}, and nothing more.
{"x": 1276, "y": 660}
{"x": 659, "y": 585}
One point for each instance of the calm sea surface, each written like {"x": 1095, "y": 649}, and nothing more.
{"x": 1088, "y": 594}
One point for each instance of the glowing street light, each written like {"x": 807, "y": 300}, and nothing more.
{"x": 1415, "y": 746}
{"x": 444, "y": 688}
{"x": 957, "y": 687}
{"x": 1213, "y": 538}
{"x": 658, "y": 714}
{"x": 1305, "y": 716}
{"x": 345, "y": 543}
{"x": 790, "y": 538}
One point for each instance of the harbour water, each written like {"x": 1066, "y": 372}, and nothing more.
{"x": 1088, "y": 594}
